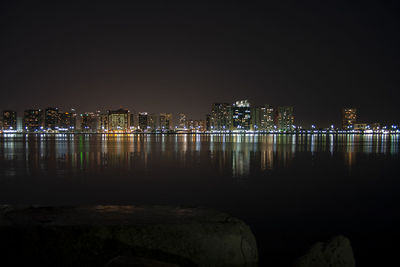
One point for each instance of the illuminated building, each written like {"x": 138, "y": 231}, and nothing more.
{"x": 67, "y": 121}
{"x": 153, "y": 121}
{"x": 103, "y": 123}
{"x": 118, "y": 120}
{"x": 221, "y": 117}
{"x": 360, "y": 126}
{"x": 132, "y": 125}
{"x": 191, "y": 125}
{"x": 267, "y": 118}
{"x": 256, "y": 117}
{"x": 208, "y": 122}
{"x": 285, "y": 118}
{"x": 90, "y": 121}
{"x": 9, "y": 120}
{"x": 33, "y": 120}
{"x": 202, "y": 126}
{"x": 51, "y": 118}
{"x": 166, "y": 123}
{"x": 349, "y": 117}
{"x": 182, "y": 121}
{"x": 197, "y": 125}
{"x": 241, "y": 115}
{"x": 375, "y": 126}
{"x": 144, "y": 121}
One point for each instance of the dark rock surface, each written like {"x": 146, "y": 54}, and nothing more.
{"x": 337, "y": 252}
{"x": 124, "y": 236}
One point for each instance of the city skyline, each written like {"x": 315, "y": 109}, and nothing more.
{"x": 239, "y": 116}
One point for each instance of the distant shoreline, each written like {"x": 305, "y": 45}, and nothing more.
{"x": 205, "y": 133}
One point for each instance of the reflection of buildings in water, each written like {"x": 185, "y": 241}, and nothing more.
{"x": 383, "y": 143}
{"x": 331, "y": 141}
{"x": 350, "y": 158}
{"x": 267, "y": 159}
{"x": 394, "y": 147}
{"x": 240, "y": 163}
{"x": 367, "y": 143}
{"x": 285, "y": 151}
{"x": 229, "y": 154}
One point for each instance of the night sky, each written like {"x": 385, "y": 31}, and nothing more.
{"x": 318, "y": 56}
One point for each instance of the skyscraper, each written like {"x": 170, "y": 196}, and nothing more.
{"x": 267, "y": 118}
{"x": 220, "y": 117}
{"x": 51, "y": 118}
{"x": 90, "y": 121}
{"x": 118, "y": 120}
{"x": 67, "y": 121}
{"x": 349, "y": 117}
{"x": 285, "y": 118}
{"x": 256, "y": 118}
{"x": 103, "y": 123}
{"x": 144, "y": 121}
{"x": 241, "y": 115}
{"x": 182, "y": 123}
{"x": 33, "y": 120}
{"x": 9, "y": 120}
{"x": 166, "y": 121}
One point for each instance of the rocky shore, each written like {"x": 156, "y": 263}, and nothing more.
{"x": 140, "y": 236}
{"x": 124, "y": 236}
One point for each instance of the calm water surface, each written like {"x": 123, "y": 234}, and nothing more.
{"x": 291, "y": 189}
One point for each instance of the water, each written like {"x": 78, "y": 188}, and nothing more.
{"x": 292, "y": 190}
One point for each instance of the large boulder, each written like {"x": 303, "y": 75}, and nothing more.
{"x": 110, "y": 235}
{"x": 337, "y": 252}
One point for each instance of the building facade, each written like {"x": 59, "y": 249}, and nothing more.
{"x": 349, "y": 118}
{"x": 267, "y": 118}
{"x": 256, "y": 117}
{"x": 67, "y": 121}
{"x": 221, "y": 117}
{"x": 33, "y": 120}
{"x": 119, "y": 120}
{"x": 166, "y": 123}
{"x": 51, "y": 118}
{"x": 9, "y": 120}
{"x": 241, "y": 115}
{"x": 144, "y": 122}
{"x": 285, "y": 118}
{"x": 90, "y": 121}
{"x": 182, "y": 121}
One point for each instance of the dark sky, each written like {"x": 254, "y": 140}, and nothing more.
{"x": 318, "y": 56}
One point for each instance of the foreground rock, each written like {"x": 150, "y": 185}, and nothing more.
{"x": 335, "y": 253}
{"x": 124, "y": 235}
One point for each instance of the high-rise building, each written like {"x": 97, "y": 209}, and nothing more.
{"x": 51, "y": 118}
{"x": 33, "y": 120}
{"x": 118, "y": 120}
{"x": 153, "y": 121}
{"x": 241, "y": 115}
{"x": 9, "y": 120}
{"x": 267, "y": 118}
{"x": 256, "y": 118}
{"x": 285, "y": 118}
{"x": 208, "y": 122}
{"x": 103, "y": 123}
{"x": 67, "y": 121}
{"x": 197, "y": 125}
{"x": 144, "y": 121}
{"x": 132, "y": 125}
{"x": 221, "y": 117}
{"x": 90, "y": 121}
{"x": 182, "y": 121}
{"x": 349, "y": 117}
{"x": 166, "y": 123}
